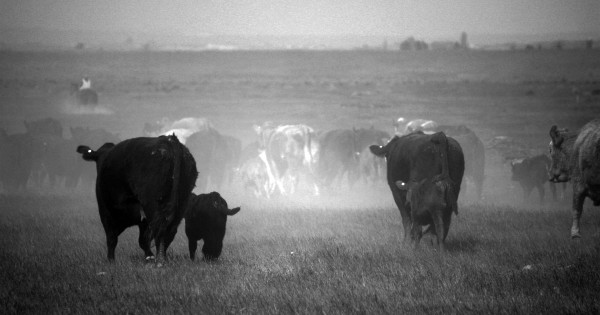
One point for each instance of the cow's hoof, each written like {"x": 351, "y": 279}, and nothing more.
{"x": 150, "y": 258}
{"x": 575, "y": 236}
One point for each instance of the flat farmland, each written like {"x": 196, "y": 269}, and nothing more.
{"x": 336, "y": 253}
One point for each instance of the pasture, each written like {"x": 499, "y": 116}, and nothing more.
{"x": 337, "y": 253}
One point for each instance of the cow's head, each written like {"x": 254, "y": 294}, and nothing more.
{"x": 559, "y": 155}
{"x": 214, "y": 215}
{"x": 399, "y": 126}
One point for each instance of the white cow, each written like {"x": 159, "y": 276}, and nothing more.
{"x": 289, "y": 151}
{"x": 402, "y": 127}
{"x": 182, "y": 128}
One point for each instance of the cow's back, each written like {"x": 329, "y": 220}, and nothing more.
{"x": 145, "y": 169}
{"x": 586, "y": 158}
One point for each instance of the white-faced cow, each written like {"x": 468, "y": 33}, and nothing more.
{"x": 145, "y": 182}
{"x": 205, "y": 219}
{"x": 290, "y": 151}
{"x": 182, "y": 128}
{"x": 424, "y": 174}
{"x": 403, "y": 127}
{"x": 576, "y": 156}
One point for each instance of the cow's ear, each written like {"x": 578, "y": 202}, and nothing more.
{"x": 377, "y": 150}
{"x": 233, "y": 211}
{"x": 83, "y": 149}
{"x": 557, "y": 139}
{"x": 87, "y": 153}
{"x": 401, "y": 185}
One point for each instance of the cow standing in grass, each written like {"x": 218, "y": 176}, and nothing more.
{"x": 205, "y": 219}
{"x": 474, "y": 152}
{"x": 576, "y": 157}
{"x": 424, "y": 173}
{"x": 290, "y": 151}
{"x": 144, "y": 182}
{"x": 532, "y": 172}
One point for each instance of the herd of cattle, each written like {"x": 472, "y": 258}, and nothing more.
{"x": 148, "y": 181}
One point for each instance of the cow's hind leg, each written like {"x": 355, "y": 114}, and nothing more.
{"x": 192, "y": 245}
{"x": 440, "y": 228}
{"x": 144, "y": 241}
{"x": 542, "y": 193}
{"x": 112, "y": 238}
{"x": 553, "y": 191}
{"x": 578, "y": 199}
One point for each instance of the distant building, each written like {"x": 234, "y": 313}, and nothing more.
{"x": 464, "y": 42}
{"x": 412, "y": 44}
{"x": 444, "y": 45}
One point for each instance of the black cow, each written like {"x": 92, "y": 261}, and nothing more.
{"x": 16, "y": 160}
{"x": 212, "y": 156}
{"x": 205, "y": 219}
{"x": 45, "y": 133}
{"x": 233, "y": 155}
{"x": 371, "y": 167}
{"x": 144, "y": 182}
{"x": 61, "y": 166}
{"x": 532, "y": 172}
{"x": 46, "y": 126}
{"x": 338, "y": 156}
{"x": 431, "y": 168}
{"x": 474, "y": 152}
{"x": 340, "y": 153}
{"x": 84, "y": 97}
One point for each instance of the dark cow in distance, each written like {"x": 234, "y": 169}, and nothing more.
{"x": 576, "y": 157}
{"x": 474, "y": 151}
{"x": 93, "y": 138}
{"x": 371, "y": 167}
{"x": 532, "y": 172}
{"x": 145, "y": 182}
{"x": 16, "y": 160}
{"x": 212, "y": 155}
{"x": 205, "y": 219}
{"x": 424, "y": 173}
{"x": 341, "y": 153}
{"x": 84, "y": 97}
{"x": 53, "y": 156}
{"x": 338, "y": 157}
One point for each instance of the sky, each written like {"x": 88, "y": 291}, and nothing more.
{"x": 419, "y": 18}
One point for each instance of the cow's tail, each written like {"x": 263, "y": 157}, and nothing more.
{"x": 173, "y": 209}
{"x": 441, "y": 142}
{"x": 310, "y": 154}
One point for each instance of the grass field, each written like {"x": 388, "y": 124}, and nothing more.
{"x": 340, "y": 253}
